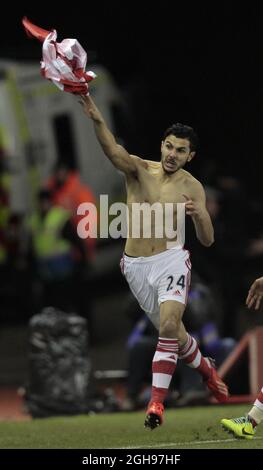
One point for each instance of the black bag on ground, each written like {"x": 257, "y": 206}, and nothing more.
{"x": 59, "y": 367}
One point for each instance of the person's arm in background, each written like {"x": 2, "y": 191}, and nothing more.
{"x": 255, "y": 294}
{"x": 120, "y": 158}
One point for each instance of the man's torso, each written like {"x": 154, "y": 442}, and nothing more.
{"x": 150, "y": 186}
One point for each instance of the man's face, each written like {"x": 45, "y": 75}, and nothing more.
{"x": 175, "y": 153}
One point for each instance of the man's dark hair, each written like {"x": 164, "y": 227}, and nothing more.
{"x": 183, "y": 132}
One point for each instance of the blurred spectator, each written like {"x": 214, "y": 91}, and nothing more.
{"x": 59, "y": 256}
{"x": 69, "y": 192}
{"x": 14, "y": 270}
{"x": 14, "y": 267}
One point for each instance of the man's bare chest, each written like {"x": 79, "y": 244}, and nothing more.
{"x": 151, "y": 189}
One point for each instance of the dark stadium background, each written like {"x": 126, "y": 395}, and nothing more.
{"x": 199, "y": 64}
{"x": 196, "y": 63}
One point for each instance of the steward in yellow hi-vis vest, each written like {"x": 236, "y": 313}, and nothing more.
{"x": 54, "y": 251}
{"x": 58, "y": 253}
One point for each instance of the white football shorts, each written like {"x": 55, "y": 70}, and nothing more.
{"x": 155, "y": 279}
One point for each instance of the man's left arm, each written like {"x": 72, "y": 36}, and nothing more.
{"x": 195, "y": 206}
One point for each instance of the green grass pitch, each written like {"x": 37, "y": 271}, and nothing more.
{"x": 184, "y": 428}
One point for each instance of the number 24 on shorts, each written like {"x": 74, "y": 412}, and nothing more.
{"x": 180, "y": 282}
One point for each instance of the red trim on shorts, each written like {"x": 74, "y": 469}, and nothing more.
{"x": 122, "y": 265}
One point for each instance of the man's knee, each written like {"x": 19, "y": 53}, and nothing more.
{"x": 171, "y": 319}
{"x": 170, "y": 326}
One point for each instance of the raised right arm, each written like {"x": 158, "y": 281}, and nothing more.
{"x": 120, "y": 158}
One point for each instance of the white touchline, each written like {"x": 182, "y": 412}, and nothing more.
{"x": 176, "y": 444}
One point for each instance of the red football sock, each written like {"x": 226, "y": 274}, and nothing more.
{"x": 163, "y": 367}
{"x": 191, "y": 355}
